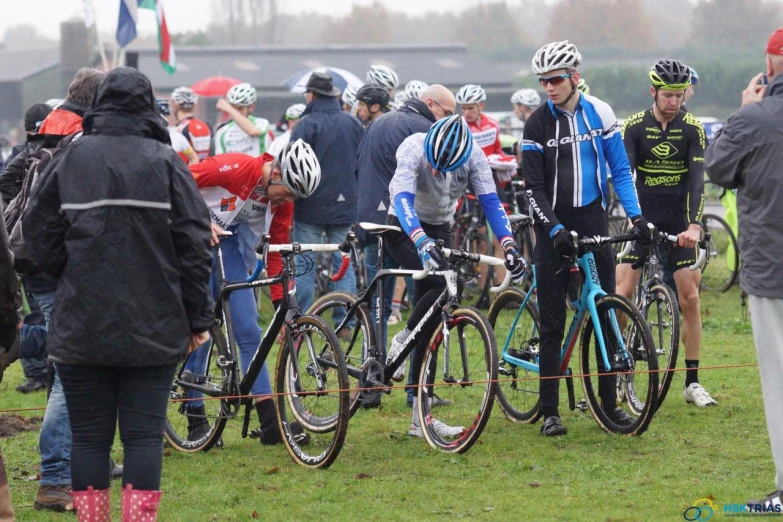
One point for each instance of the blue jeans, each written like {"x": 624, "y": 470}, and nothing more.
{"x": 32, "y": 339}
{"x": 244, "y": 318}
{"x": 305, "y": 283}
{"x": 55, "y": 440}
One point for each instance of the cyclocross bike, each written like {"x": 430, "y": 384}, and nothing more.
{"x": 658, "y": 305}
{"x": 608, "y": 326}
{"x": 310, "y": 377}
{"x": 460, "y": 364}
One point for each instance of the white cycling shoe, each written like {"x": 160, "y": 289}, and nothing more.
{"x": 696, "y": 394}
{"x": 394, "y": 351}
{"x": 442, "y": 429}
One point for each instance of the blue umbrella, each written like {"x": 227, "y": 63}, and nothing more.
{"x": 342, "y": 78}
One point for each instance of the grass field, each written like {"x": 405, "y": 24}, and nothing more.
{"x": 512, "y": 473}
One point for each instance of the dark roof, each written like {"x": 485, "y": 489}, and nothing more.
{"x": 267, "y": 67}
{"x": 18, "y": 65}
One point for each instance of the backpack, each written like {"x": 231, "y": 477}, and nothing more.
{"x": 35, "y": 163}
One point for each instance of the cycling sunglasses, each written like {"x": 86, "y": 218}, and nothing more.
{"x": 554, "y": 80}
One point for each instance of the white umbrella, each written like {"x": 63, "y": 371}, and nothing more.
{"x": 342, "y": 78}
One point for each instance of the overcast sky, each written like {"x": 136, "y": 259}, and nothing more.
{"x": 181, "y": 15}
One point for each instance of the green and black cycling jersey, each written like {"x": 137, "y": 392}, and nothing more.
{"x": 669, "y": 166}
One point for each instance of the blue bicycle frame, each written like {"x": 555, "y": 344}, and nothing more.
{"x": 591, "y": 292}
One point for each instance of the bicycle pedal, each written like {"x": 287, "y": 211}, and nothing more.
{"x": 255, "y": 434}
{"x": 582, "y": 405}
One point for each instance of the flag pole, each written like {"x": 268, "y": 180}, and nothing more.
{"x": 90, "y": 15}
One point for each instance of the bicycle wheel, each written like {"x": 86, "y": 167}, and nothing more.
{"x": 621, "y": 326}
{"x": 663, "y": 317}
{"x": 462, "y": 373}
{"x": 617, "y": 225}
{"x": 355, "y": 341}
{"x": 312, "y": 386}
{"x": 524, "y": 239}
{"x": 721, "y": 272}
{"x": 474, "y": 288}
{"x": 517, "y": 391}
{"x": 197, "y": 425}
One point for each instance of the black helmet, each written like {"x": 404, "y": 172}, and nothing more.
{"x": 670, "y": 75}
{"x": 372, "y": 94}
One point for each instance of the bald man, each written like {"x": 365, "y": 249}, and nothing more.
{"x": 378, "y": 161}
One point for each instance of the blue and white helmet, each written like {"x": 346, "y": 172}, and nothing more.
{"x": 448, "y": 144}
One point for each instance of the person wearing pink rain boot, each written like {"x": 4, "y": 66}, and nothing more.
{"x": 120, "y": 223}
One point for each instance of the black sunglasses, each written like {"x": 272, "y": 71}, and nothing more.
{"x": 554, "y": 80}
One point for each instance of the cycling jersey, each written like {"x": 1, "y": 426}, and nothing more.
{"x": 229, "y": 186}
{"x": 416, "y": 193}
{"x": 231, "y": 138}
{"x": 198, "y": 134}
{"x": 566, "y": 158}
{"x": 486, "y": 132}
{"x": 669, "y": 165}
{"x": 180, "y": 144}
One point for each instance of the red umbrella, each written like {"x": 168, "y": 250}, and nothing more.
{"x": 214, "y": 86}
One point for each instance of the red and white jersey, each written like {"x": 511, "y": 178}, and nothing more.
{"x": 180, "y": 144}
{"x": 229, "y": 186}
{"x": 486, "y": 132}
{"x": 198, "y": 134}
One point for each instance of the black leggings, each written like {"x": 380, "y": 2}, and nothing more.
{"x": 94, "y": 396}
{"x": 402, "y": 249}
{"x": 552, "y": 288}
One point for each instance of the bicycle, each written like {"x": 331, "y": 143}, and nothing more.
{"x": 724, "y": 255}
{"x": 469, "y": 237}
{"x": 523, "y": 232}
{"x": 657, "y": 303}
{"x": 597, "y": 322}
{"x": 310, "y": 375}
{"x": 467, "y": 373}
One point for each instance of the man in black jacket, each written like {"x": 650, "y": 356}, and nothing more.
{"x": 117, "y": 219}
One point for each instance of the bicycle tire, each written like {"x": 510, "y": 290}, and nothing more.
{"x": 617, "y": 225}
{"x": 517, "y": 388}
{"x": 524, "y": 239}
{"x": 466, "y": 401}
{"x": 665, "y": 296}
{"x": 326, "y": 426}
{"x": 356, "y": 342}
{"x": 721, "y": 272}
{"x": 643, "y": 358}
{"x": 175, "y": 432}
{"x": 474, "y": 288}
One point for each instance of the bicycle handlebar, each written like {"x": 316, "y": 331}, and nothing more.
{"x": 468, "y": 256}
{"x": 674, "y": 240}
{"x": 298, "y": 248}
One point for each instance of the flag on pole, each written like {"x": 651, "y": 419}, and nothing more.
{"x": 126, "y": 29}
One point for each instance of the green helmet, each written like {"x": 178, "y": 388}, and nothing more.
{"x": 670, "y": 75}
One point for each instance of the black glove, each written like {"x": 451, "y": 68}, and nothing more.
{"x": 564, "y": 244}
{"x": 516, "y": 265}
{"x": 643, "y": 228}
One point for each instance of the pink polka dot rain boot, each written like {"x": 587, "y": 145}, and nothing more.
{"x": 139, "y": 505}
{"x": 92, "y": 505}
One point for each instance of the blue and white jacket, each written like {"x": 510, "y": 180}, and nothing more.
{"x": 565, "y": 158}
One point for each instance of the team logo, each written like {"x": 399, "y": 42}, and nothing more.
{"x": 664, "y": 150}
{"x": 227, "y": 205}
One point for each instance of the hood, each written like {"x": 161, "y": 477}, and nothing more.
{"x": 62, "y": 121}
{"x": 776, "y": 87}
{"x": 125, "y": 105}
{"x": 419, "y": 107}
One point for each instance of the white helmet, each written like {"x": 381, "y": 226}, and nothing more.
{"x": 55, "y": 102}
{"x": 184, "y": 96}
{"x": 556, "y": 55}
{"x": 526, "y": 97}
{"x": 349, "y": 95}
{"x": 294, "y": 112}
{"x": 243, "y": 95}
{"x": 383, "y": 76}
{"x": 400, "y": 97}
{"x": 470, "y": 94}
{"x": 414, "y": 88}
{"x": 300, "y": 168}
